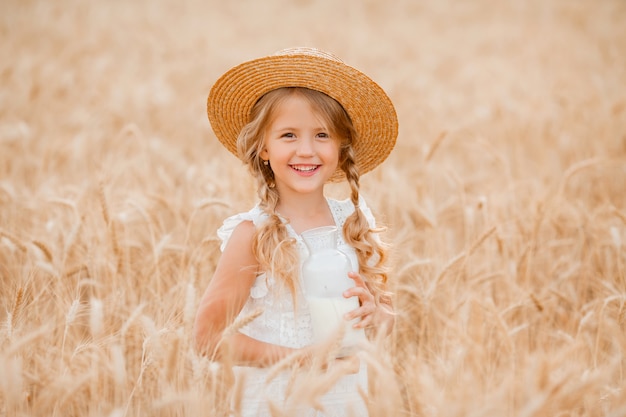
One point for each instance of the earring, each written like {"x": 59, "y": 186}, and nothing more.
{"x": 266, "y": 162}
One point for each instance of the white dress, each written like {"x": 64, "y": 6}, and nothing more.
{"x": 279, "y": 324}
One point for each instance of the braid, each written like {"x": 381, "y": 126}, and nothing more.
{"x": 273, "y": 247}
{"x": 361, "y": 237}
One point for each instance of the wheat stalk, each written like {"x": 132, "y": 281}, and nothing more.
{"x": 172, "y": 360}
{"x": 13, "y": 316}
{"x": 240, "y": 323}
{"x": 464, "y": 255}
{"x": 96, "y": 317}
{"x": 435, "y": 145}
{"x": 104, "y": 206}
{"x": 44, "y": 249}
{"x": 14, "y": 239}
{"x": 69, "y": 319}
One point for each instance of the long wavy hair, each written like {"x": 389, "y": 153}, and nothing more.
{"x": 274, "y": 249}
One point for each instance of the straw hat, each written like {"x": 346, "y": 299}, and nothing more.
{"x": 370, "y": 109}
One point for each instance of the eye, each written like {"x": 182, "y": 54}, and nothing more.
{"x": 288, "y": 135}
{"x": 323, "y": 135}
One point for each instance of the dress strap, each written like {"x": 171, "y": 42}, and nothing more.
{"x": 343, "y": 208}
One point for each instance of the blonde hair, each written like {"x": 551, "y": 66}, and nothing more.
{"x": 274, "y": 249}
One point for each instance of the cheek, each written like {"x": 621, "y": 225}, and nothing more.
{"x": 334, "y": 151}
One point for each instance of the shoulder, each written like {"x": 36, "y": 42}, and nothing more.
{"x": 247, "y": 220}
{"x": 241, "y": 236}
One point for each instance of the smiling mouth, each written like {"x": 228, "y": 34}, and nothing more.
{"x": 305, "y": 168}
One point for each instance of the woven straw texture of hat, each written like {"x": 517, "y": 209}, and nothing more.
{"x": 370, "y": 109}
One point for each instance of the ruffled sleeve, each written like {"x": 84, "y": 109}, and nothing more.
{"x": 260, "y": 287}
{"x": 229, "y": 225}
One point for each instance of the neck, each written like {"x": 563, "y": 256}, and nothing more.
{"x": 305, "y": 211}
{"x": 302, "y": 206}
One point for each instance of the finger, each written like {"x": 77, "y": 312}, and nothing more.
{"x": 361, "y": 289}
{"x": 361, "y": 292}
{"x": 366, "y": 321}
{"x": 356, "y": 277}
{"x": 356, "y": 313}
{"x": 363, "y": 311}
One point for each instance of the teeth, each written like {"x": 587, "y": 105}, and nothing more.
{"x": 307, "y": 168}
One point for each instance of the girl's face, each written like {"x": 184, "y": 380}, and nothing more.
{"x": 302, "y": 152}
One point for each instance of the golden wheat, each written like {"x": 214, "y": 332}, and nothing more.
{"x": 503, "y": 200}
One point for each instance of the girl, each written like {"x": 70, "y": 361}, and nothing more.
{"x": 298, "y": 119}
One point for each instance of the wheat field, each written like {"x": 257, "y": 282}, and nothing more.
{"x": 504, "y": 200}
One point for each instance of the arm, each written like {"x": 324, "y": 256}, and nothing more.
{"x": 224, "y": 298}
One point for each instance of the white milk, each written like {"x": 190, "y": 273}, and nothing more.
{"x": 327, "y": 315}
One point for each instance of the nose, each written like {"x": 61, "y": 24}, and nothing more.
{"x": 306, "y": 146}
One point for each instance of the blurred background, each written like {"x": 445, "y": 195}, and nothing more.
{"x": 83, "y": 71}
{"x": 504, "y": 198}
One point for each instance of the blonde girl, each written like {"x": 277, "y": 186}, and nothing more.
{"x": 298, "y": 119}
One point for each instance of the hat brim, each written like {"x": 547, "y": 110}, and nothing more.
{"x": 372, "y": 113}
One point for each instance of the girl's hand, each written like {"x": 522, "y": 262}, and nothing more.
{"x": 367, "y": 310}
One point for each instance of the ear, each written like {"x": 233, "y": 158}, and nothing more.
{"x": 264, "y": 154}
